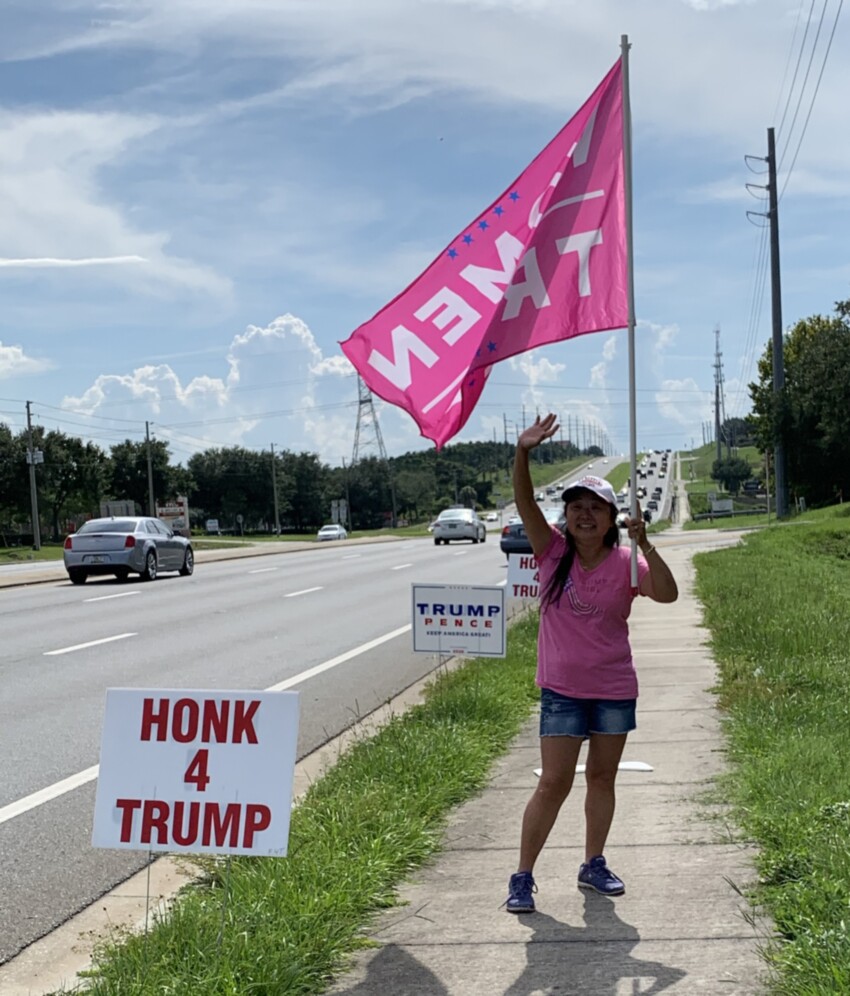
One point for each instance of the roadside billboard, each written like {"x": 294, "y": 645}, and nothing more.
{"x": 176, "y": 515}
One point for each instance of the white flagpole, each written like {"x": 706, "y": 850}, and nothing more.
{"x": 630, "y": 277}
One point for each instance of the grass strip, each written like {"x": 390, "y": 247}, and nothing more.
{"x": 289, "y": 924}
{"x": 778, "y": 608}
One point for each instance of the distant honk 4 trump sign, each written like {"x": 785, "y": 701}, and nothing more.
{"x": 523, "y": 576}
{"x": 196, "y": 771}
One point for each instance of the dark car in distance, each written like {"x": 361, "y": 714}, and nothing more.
{"x": 514, "y": 539}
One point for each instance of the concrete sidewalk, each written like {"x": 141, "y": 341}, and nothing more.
{"x": 680, "y": 928}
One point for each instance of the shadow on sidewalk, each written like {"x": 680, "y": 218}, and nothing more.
{"x": 395, "y": 972}
{"x": 590, "y": 960}
{"x": 593, "y": 960}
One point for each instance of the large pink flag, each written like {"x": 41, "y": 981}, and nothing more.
{"x": 546, "y": 261}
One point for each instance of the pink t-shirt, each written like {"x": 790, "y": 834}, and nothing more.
{"x": 583, "y": 645}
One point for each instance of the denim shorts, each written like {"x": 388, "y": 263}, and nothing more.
{"x": 564, "y": 716}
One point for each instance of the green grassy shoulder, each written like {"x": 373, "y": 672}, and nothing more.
{"x": 287, "y": 925}
{"x": 778, "y": 608}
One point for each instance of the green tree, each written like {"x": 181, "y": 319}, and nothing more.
{"x": 72, "y": 480}
{"x": 14, "y": 483}
{"x": 468, "y": 495}
{"x": 731, "y": 473}
{"x": 128, "y": 474}
{"x": 809, "y": 417}
{"x": 236, "y": 481}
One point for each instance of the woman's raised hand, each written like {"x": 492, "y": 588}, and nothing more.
{"x": 541, "y": 430}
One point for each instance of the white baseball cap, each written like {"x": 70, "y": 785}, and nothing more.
{"x": 598, "y": 485}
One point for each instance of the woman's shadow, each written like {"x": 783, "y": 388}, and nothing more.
{"x": 593, "y": 960}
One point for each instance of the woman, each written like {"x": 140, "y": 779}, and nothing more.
{"x": 584, "y": 662}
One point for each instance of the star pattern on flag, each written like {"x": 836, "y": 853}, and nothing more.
{"x": 482, "y": 226}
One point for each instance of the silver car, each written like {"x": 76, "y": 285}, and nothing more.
{"x": 457, "y": 524}
{"x": 124, "y": 545}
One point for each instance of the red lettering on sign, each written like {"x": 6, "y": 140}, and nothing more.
{"x": 196, "y": 773}
{"x": 217, "y": 827}
{"x": 210, "y": 720}
{"x": 184, "y": 721}
{"x": 185, "y": 835}
{"x": 216, "y": 716}
{"x": 128, "y": 806}
{"x": 154, "y": 815}
{"x": 182, "y": 823}
{"x": 243, "y": 722}
{"x": 458, "y": 623}
{"x": 257, "y": 818}
{"x": 488, "y": 624}
{"x": 158, "y": 719}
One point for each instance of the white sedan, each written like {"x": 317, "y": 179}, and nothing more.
{"x": 334, "y": 531}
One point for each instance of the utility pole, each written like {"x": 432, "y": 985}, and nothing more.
{"x": 347, "y": 497}
{"x": 772, "y": 215}
{"x": 717, "y": 417}
{"x": 720, "y": 398}
{"x": 151, "y": 502}
{"x": 776, "y": 312}
{"x": 274, "y": 493}
{"x": 33, "y": 457}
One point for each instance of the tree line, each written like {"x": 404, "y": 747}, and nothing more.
{"x": 808, "y": 417}
{"x": 228, "y": 482}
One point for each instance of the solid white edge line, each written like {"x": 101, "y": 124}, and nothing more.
{"x": 46, "y": 794}
{"x": 304, "y": 591}
{"x": 83, "y": 646}
{"x": 334, "y": 661}
{"x": 89, "y": 774}
{"x": 103, "y": 598}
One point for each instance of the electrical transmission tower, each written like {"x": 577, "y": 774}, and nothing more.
{"x": 720, "y": 398}
{"x": 367, "y": 434}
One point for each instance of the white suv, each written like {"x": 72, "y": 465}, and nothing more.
{"x": 457, "y": 524}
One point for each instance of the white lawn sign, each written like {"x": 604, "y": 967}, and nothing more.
{"x": 184, "y": 770}
{"x": 459, "y": 619}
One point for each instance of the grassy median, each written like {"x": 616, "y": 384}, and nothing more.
{"x": 286, "y": 925}
{"x": 778, "y": 608}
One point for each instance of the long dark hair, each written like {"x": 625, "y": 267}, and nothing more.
{"x": 552, "y": 593}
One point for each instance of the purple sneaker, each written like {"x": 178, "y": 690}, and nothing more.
{"x": 520, "y": 889}
{"x": 596, "y": 875}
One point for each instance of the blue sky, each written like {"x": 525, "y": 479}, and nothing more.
{"x": 200, "y": 198}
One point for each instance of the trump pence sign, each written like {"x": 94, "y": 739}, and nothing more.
{"x": 196, "y": 771}
{"x": 459, "y": 619}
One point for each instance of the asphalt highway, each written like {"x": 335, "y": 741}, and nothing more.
{"x": 340, "y": 611}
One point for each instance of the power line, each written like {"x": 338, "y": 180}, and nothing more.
{"x": 814, "y": 95}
